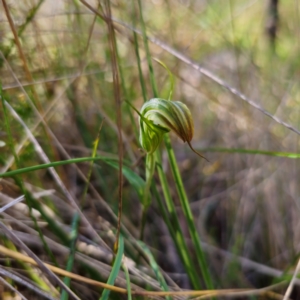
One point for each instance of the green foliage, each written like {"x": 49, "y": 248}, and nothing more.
{"x": 244, "y": 199}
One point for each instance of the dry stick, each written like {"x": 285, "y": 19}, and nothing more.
{"x": 42, "y": 266}
{"x": 99, "y": 261}
{"x": 23, "y": 282}
{"x": 4, "y": 282}
{"x": 205, "y": 293}
{"x": 292, "y": 282}
{"x": 12, "y": 203}
{"x": 116, "y": 84}
{"x": 197, "y": 67}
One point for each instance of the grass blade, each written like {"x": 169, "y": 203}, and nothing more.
{"x": 115, "y": 269}
{"x": 128, "y": 285}
{"x": 188, "y": 214}
{"x": 155, "y": 268}
{"x": 173, "y": 224}
{"x": 152, "y": 78}
{"x": 74, "y": 235}
{"x": 53, "y": 164}
{"x": 251, "y": 151}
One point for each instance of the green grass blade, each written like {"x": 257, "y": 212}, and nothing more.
{"x": 70, "y": 262}
{"x": 173, "y": 224}
{"x": 54, "y": 164}
{"x": 94, "y": 152}
{"x": 125, "y": 92}
{"x": 188, "y": 214}
{"x": 251, "y": 151}
{"x": 142, "y": 81}
{"x": 155, "y": 268}
{"x": 128, "y": 285}
{"x": 171, "y": 77}
{"x": 151, "y": 72}
{"x": 137, "y": 54}
{"x": 134, "y": 179}
{"x": 115, "y": 269}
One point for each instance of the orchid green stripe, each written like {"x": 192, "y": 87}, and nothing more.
{"x": 163, "y": 116}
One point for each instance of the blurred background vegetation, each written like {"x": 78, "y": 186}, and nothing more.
{"x": 235, "y": 64}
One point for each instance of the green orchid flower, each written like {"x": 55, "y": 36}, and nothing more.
{"x": 159, "y": 116}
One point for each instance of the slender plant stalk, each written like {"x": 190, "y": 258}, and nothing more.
{"x": 172, "y": 222}
{"x": 152, "y": 79}
{"x": 96, "y": 143}
{"x": 188, "y": 213}
{"x": 150, "y": 168}
{"x": 128, "y": 285}
{"x": 137, "y": 53}
{"x": 116, "y": 84}
{"x": 74, "y": 235}
{"x": 133, "y": 124}
{"x": 188, "y": 263}
{"x": 251, "y": 151}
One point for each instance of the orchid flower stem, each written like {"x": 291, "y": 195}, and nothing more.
{"x": 171, "y": 218}
{"x": 150, "y": 167}
{"x": 188, "y": 214}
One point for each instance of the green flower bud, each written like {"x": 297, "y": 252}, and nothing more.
{"x": 159, "y": 116}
